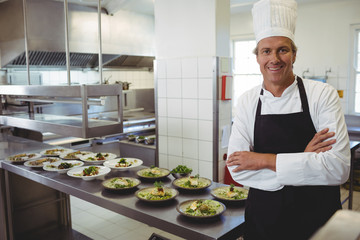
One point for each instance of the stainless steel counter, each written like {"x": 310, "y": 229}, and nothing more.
{"x": 164, "y": 216}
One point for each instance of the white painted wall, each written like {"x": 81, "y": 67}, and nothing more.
{"x": 322, "y": 36}
{"x": 185, "y": 38}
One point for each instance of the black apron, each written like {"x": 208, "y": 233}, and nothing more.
{"x": 294, "y": 212}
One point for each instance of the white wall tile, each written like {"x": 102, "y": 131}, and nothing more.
{"x": 189, "y": 67}
{"x": 190, "y": 128}
{"x": 206, "y": 151}
{"x": 193, "y": 164}
{"x": 206, "y": 88}
{"x": 225, "y": 109}
{"x": 342, "y": 83}
{"x": 174, "y": 127}
{"x": 162, "y": 126}
{"x": 160, "y": 68}
{"x": 174, "y": 161}
{"x": 205, "y": 109}
{"x": 161, "y": 88}
{"x": 205, "y": 130}
{"x": 162, "y": 107}
{"x": 122, "y": 76}
{"x": 173, "y": 87}
{"x": 174, "y": 108}
{"x": 129, "y": 75}
{"x": 206, "y": 67}
{"x": 189, "y": 88}
{"x": 95, "y": 77}
{"x": 190, "y": 148}
{"x": 45, "y": 77}
{"x": 175, "y": 146}
{"x": 173, "y": 68}
{"x": 163, "y": 161}
{"x": 205, "y": 169}
{"x": 63, "y": 77}
{"x": 142, "y": 75}
{"x": 163, "y": 144}
{"x": 190, "y": 108}
{"x": 136, "y": 75}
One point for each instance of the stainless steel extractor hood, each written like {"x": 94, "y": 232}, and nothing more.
{"x": 46, "y": 37}
{"x": 80, "y": 60}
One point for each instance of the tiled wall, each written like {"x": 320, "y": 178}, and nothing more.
{"x": 138, "y": 79}
{"x": 185, "y": 113}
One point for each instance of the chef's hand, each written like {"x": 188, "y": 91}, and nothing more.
{"x": 245, "y": 160}
{"x": 319, "y": 143}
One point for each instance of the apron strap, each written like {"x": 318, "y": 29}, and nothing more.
{"x": 303, "y": 96}
{"x": 258, "y": 109}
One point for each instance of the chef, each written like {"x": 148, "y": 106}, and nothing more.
{"x": 289, "y": 140}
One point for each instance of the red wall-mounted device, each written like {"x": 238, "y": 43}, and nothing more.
{"x": 226, "y": 87}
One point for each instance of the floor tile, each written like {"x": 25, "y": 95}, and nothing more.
{"x": 112, "y": 230}
{"x": 132, "y": 235}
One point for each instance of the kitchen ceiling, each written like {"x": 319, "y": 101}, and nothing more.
{"x": 113, "y": 6}
{"x": 147, "y": 6}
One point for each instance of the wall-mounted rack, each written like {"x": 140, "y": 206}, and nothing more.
{"x": 64, "y": 125}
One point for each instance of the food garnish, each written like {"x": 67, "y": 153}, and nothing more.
{"x": 63, "y": 165}
{"x": 120, "y": 183}
{"x": 42, "y": 160}
{"x": 90, "y": 171}
{"x": 100, "y": 156}
{"x": 231, "y": 193}
{"x": 202, "y": 208}
{"x": 157, "y": 193}
{"x": 123, "y": 163}
{"x": 72, "y": 155}
{"x": 192, "y": 182}
{"x": 181, "y": 169}
{"x": 152, "y": 172}
{"x": 54, "y": 151}
{"x": 21, "y": 157}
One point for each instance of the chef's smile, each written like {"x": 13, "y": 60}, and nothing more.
{"x": 276, "y": 58}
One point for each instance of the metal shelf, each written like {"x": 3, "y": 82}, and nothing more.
{"x": 64, "y": 125}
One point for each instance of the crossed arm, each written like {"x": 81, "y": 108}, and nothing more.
{"x": 245, "y": 160}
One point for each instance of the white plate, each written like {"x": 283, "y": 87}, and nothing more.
{"x": 54, "y": 152}
{"x": 39, "y": 163}
{"x": 22, "y": 157}
{"x": 107, "y": 156}
{"x": 54, "y": 167}
{"x": 74, "y": 155}
{"x": 133, "y": 161}
{"x": 78, "y": 172}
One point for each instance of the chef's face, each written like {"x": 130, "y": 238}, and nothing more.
{"x": 276, "y": 57}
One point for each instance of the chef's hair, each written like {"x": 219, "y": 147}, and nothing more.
{"x": 293, "y": 47}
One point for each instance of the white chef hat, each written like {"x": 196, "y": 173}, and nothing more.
{"x": 274, "y": 18}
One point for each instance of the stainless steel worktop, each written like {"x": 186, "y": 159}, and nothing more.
{"x": 164, "y": 216}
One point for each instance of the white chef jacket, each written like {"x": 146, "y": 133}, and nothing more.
{"x": 305, "y": 168}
